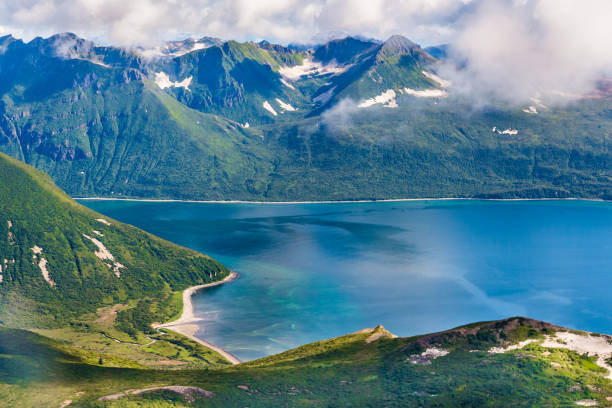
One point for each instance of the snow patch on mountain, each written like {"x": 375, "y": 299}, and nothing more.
{"x": 11, "y": 236}
{"x": 425, "y": 93}
{"x": 587, "y": 403}
{"x": 285, "y": 106}
{"x": 269, "y": 108}
{"x": 510, "y": 132}
{"x": 4, "y": 266}
{"x": 309, "y": 68}
{"x": 425, "y": 357}
{"x": 442, "y": 82}
{"x": 42, "y": 264}
{"x": 163, "y": 81}
{"x": 532, "y": 110}
{"x": 287, "y": 84}
{"x": 105, "y": 255}
{"x": 387, "y": 99}
{"x": 536, "y": 106}
{"x": 325, "y": 96}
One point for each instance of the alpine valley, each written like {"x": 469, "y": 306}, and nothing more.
{"x": 220, "y": 120}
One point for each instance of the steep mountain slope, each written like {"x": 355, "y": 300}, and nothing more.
{"x": 115, "y": 132}
{"x": 393, "y": 65}
{"x": 421, "y": 150}
{"x": 351, "y": 119}
{"x": 342, "y": 51}
{"x": 60, "y": 260}
{"x": 235, "y": 80}
{"x": 259, "y": 83}
{"x": 513, "y": 362}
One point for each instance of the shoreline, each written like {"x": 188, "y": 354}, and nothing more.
{"x": 186, "y": 324}
{"x": 387, "y": 200}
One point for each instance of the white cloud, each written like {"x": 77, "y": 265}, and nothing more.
{"x": 149, "y": 21}
{"x": 340, "y": 116}
{"x": 515, "y": 50}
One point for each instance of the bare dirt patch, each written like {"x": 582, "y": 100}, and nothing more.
{"x": 190, "y": 393}
{"x": 377, "y": 333}
{"x": 108, "y": 314}
{"x": 105, "y": 255}
{"x": 425, "y": 357}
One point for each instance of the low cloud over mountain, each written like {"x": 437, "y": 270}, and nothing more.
{"x": 500, "y": 50}
{"x": 548, "y": 50}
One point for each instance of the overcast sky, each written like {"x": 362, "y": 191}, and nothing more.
{"x": 514, "y": 49}
{"x": 301, "y": 21}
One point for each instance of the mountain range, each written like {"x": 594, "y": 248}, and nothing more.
{"x": 208, "y": 119}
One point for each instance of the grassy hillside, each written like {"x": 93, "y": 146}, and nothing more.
{"x": 368, "y": 368}
{"x": 61, "y": 260}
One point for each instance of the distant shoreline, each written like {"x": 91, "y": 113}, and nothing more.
{"x": 187, "y": 323}
{"x": 390, "y": 200}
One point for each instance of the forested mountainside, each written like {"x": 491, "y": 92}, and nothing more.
{"x": 60, "y": 260}
{"x": 351, "y": 119}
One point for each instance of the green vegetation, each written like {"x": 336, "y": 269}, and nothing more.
{"x": 110, "y": 131}
{"x": 91, "y": 261}
{"x": 346, "y": 371}
{"x": 88, "y": 288}
{"x": 87, "y": 299}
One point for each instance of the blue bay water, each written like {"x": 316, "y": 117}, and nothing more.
{"x": 314, "y": 271}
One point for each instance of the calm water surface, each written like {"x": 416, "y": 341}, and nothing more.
{"x": 313, "y": 271}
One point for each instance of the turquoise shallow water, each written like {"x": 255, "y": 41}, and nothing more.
{"x": 313, "y": 271}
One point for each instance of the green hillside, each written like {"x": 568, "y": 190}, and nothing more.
{"x": 61, "y": 260}
{"x": 430, "y": 151}
{"x": 367, "y": 368}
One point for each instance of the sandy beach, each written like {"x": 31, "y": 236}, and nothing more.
{"x": 186, "y": 324}
{"x": 390, "y": 200}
